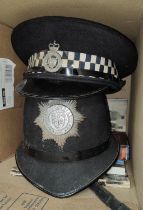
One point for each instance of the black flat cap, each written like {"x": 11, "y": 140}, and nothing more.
{"x": 84, "y": 51}
{"x": 75, "y": 35}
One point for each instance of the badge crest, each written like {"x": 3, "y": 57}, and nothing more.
{"x": 58, "y": 120}
{"x": 52, "y": 60}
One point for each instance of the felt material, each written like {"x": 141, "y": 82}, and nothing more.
{"x": 76, "y": 35}
{"x": 65, "y": 179}
{"x": 95, "y": 127}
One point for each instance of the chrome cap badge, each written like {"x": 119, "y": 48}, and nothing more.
{"x": 52, "y": 60}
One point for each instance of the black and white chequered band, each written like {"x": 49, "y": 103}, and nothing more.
{"x": 53, "y": 60}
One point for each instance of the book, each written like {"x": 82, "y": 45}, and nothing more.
{"x": 15, "y": 171}
{"x": 122, "y": 138}
{"x": 120, "y": 162}
{"x": 115, "y": 181}
{"x": 118, "y": 170}
{"x": 118, "y": 114}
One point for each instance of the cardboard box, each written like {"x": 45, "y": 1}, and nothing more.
{"x": 126, "y": 17}
{"x": 6, "y": 51}
{"x": 11, "y": 120}
{"x": 11, "y": 127}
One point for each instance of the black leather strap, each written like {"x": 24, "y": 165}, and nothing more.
{"x": 87, "y": 73}
{"x": 92, "y": 75}
{"x": 73, "y": 72}
{"x": 107, "y": 198}
{"x": 66, "y": 156}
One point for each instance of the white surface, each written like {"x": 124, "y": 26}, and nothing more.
{"x": 6, "y": 83}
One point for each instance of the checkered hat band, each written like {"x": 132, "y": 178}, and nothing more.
{"x": 76, "y": 60}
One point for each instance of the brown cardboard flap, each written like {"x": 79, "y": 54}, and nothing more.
{"x": 10, "y": 119}
{"x": 10, "y": 131}
{"x": 6, "y": 51}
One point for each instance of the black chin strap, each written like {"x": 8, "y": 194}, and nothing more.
{"x": 107, "y": 198}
